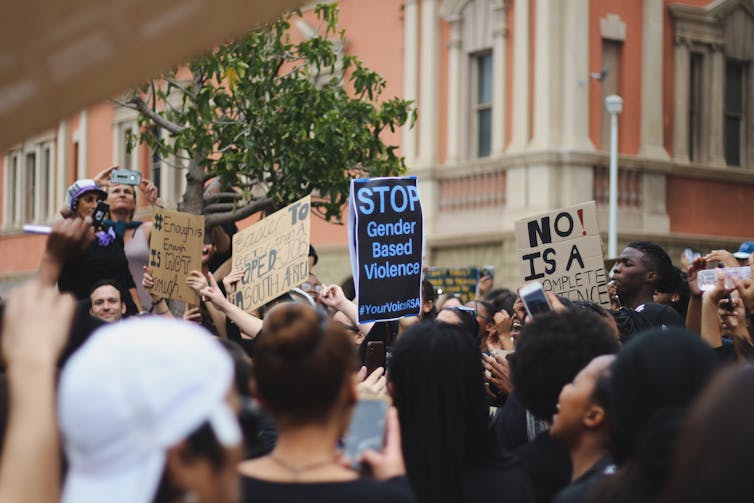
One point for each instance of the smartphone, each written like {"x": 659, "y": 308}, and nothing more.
{"x": 125, "y": 177}
{"x": 367, "y": 428}
{"x": 100, "y": 212}
{"x": 534, "y": 299}
{"x": 487, "y": 270}
{"x": 375, "y": 356}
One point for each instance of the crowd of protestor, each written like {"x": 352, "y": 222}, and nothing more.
{"x": 108, "y": 395}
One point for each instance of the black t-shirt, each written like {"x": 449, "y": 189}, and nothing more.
{"x": 510, "y": 485}
{"x": 396, "y": 490}
{"x": 509, "y": 423}
{"x": 580, "y": 489}
{"x": 548, "y": 465}
{"x": 96, "y": 263}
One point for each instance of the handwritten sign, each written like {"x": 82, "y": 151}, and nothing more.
{"x": 175, "y": 249}
{"x": 455, "y": 280}
{"x": 386, "y": 242}
{"x": 274, "y": 254}
{"x": 563, "y": 250}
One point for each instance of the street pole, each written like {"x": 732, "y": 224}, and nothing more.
{"x": 614, "y": 105}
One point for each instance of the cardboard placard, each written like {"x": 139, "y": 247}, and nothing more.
{"x": 274, "y": 254}
{"x": 175, "y": 250}
{"x": 455, "y": 280}
{"x": 562, "y": 249}
{"x": 386, "y": 241}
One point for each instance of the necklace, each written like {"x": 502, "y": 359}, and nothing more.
{"x": 297, "y": 470}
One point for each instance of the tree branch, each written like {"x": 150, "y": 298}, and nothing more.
{"x": 240, "y": 213}
{"x": 221, "y": 196}
{"x": 143, "y": 108}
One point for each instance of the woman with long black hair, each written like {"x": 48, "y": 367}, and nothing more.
{"x": 451, "y": 454}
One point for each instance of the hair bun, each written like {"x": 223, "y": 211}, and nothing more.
{"x": 291, "y": 331}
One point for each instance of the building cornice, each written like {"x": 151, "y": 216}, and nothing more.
{"x": 578, "y": 158}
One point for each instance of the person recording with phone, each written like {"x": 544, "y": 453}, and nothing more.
{"x": 120, "y": 186}
{"x": 104, "y": 257}
{"x": 304, "y": 377}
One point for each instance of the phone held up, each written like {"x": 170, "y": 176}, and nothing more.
{"x": 534, "y": 299}
{"x": 100, "y": 213}
{"x": 375, "y": 356}
{"x": 367, "y": 428}
{"x": 125, "y": 177}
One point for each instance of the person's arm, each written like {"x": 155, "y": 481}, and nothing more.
{"x": 197, "y": 282}
{"x": 746, "y": 289}
{"x": 248, "y": 324}
{"x": 736, "y": 320}
{"x": 694, "y": 312}
{"x": 710, "y": 318}
{"x": 135, "y": 298}
{"x": 333, "y": 296}
{"x": 31, "y": 344}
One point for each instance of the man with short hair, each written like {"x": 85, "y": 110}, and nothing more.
{"x": 642, "y": 266}
{"x": 642, "y": 269}
{"x": 106, "y": 301}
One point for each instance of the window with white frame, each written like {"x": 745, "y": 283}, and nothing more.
{"x": 483, "y": 104}
{"x": 714, "y": 95}
{"x": 735, "y": 111}
{"x": 28, "y": 183}
{"x": 696, "y": 65}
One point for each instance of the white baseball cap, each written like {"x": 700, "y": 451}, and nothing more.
{"x": 134, "y": 390}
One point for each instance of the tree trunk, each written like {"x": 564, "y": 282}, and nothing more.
{"x": 193, "y": 197}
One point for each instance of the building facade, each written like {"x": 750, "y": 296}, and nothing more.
{"x": 511, "y": 122}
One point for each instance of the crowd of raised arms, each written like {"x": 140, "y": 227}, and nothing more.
{"x": 109, "y": 396}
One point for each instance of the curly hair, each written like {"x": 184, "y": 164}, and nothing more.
{"x": 551, "y": 350}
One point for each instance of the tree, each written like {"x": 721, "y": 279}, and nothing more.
{"x": 273, "y": 120}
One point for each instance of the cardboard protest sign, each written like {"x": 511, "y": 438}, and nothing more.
{"x": 563, "y": 250}
{"x": 455, "y": 280}
{"x": 274, "y": 254}
{"x": 386, "y": 241}
{"x": 175, "y": 250}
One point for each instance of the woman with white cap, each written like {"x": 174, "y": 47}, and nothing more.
{"x": 104, "y": 258}
{"x": 146, "y": 413}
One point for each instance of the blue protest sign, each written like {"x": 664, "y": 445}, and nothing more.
{"x": 386, "y": 241}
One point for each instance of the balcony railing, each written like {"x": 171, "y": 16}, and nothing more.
{"x": 472, "y": 191}
{"x": 629, "y": 187}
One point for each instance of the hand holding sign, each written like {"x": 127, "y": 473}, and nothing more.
{"x": 175, "y": 249}
{"x": 386, "y": 242}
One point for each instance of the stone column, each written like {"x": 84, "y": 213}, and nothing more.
{"x": 651, "y": 144}
{"x": 62, "y": 153}
{"x": 410, "y": 72}
{"x": 715, "y": 96}
{"x": 428, "y": 104}
{"x": 681, "y": 104}
{"x": 81, "y": 135}
{"x": 521, "y": 97}
{"x": 499, "y": 61}
{"x": 575, "y": 84}
{"x": 548, "y": 77}
{"x": 455, "y": 55}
